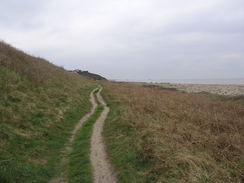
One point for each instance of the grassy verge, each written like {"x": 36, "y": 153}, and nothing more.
{"x": 80, "y": 167}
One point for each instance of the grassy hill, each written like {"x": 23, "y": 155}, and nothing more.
{"x": 39, "y": 105}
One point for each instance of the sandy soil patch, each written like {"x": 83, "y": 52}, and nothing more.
{"x": 232, "y": 90}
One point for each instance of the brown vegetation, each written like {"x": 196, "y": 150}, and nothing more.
{"x": 178, "y": 137}
{"x": 36, "y": 69}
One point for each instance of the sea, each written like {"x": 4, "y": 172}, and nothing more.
{"x": 204, "y": 81}
{"x": 239, "y": 81}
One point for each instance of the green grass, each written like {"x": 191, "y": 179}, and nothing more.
{"x": 32, "y": 159}
{"x": 39, "y": 105}
{"x": 80, "y": 167}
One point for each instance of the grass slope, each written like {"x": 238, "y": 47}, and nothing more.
{"x": 157, "y": 135}
{"x": 39, "y": 105}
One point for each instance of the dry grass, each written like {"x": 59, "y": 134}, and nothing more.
{"x": 36, "y": 69}
{"x": 177, "y": 137}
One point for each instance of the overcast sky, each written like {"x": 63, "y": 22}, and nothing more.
{"x": 131, "y": 39}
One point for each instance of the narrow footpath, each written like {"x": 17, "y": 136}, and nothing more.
{"x": 102, "y": 169}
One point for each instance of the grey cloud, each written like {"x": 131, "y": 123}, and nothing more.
{"x": 137, "y": 39}
{"x": 19, "y": 14}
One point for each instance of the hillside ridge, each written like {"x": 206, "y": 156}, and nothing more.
{"x": 89, "y": 75}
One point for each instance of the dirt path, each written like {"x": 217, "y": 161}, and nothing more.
{"x": 62, "y": 175}
{"x": 102, "y": 169}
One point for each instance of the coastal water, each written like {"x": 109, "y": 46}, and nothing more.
{"x": 189, "y": 81}
{"x": 204, "y": 81}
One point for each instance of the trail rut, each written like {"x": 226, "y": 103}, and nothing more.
{"x": 102, "y": 169}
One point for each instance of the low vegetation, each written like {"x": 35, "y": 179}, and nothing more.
{"x": 39, "y": 105}
{"x": 158, "y": 135}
